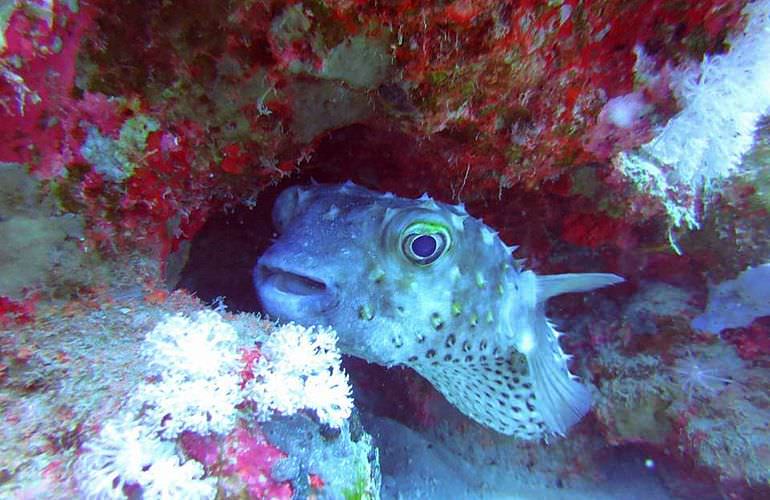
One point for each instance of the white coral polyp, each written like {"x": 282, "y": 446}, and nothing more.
{"x": 328, "y": 393}
{"x": 168, "y": 479}
{"x": 198, "y": 362}
{"x": 198, "y": 365}
{"x": 300, "y": 368}
{"x": 203, "y": 346}
{"x": 128, "y": 453}
{"x": 200, "y": 406}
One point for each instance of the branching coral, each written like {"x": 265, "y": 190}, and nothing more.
{"x": 301, "y": 369}
{"x": 198, "y": 361}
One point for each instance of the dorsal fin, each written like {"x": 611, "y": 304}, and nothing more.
{"x": 556, "y": 284}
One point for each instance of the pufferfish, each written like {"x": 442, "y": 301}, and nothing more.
{"x": 421, "y": 283}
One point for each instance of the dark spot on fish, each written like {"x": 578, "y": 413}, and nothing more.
{"x": 466, "y": 346}
{"x": 516, "y": 409}
{"x": 397, "y": 341}
{"x": 450, "y": 341}
{"x": 526, "y": 385}
{"x": 516, "y": 380}
{"x": 412, "y": 359}
{"x": 448, "y": 357}
{"x": 530, "y": 406}
{"x": 436, "y": 321}
{"x": 431, "y": 353}
{"x": 483, "y": 345}
{"x": 468, "y": 359}
{"x": 420, "y": 338}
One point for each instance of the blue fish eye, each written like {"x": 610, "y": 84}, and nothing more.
{"x": 423, "y": 243}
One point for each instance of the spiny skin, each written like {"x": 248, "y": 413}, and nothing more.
{"x": 468, "y": 317}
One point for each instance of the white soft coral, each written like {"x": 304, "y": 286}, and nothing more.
{"x": 127, "y": 453}
{"x": 198, "y": 362}
{"x": 197, "y": 386}
{"x": 723, "y": 99}
{"x": 300, "y": 368}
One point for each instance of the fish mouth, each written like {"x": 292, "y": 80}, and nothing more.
{"x": 291, "y": 295}
{"x": 291, "y": 283}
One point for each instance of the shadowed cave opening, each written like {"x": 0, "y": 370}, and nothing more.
{"x": 223, "y": 254}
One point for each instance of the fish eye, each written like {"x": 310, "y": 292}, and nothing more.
{"x": 423, "y": 243}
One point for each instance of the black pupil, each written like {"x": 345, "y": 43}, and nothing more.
{"x": 424, "y": 246}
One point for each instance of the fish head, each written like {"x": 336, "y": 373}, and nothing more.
{"x": 390, "y": 274}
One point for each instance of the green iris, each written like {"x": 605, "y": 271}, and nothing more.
{"x": 424, "y": 242}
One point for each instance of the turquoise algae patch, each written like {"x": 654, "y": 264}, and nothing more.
{"x": 115, "y": 158}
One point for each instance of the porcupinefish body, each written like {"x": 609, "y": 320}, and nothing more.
{"x": 421, "y": 283}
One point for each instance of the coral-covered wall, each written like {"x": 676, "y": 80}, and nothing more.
{"x": 145, "y": 115}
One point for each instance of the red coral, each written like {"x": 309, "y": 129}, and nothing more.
{"x": 252, "y": 459}
{"x": 40, "y": 85}
{"x": 248, "y": 358}
{"x": 234, "y": 160}
{"x": 316, "y": 482}
{"x": 753, "y": 341}
{"x": 101, "y": 111}
{"x": 204, "y": 449}
{"x": 17, "y": 312}
{"x": 594, "y": 230}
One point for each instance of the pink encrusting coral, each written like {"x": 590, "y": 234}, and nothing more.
{"x": 252, "y": 459}
{"x": 37, "y": 77}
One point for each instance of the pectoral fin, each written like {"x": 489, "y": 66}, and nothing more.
{"x": 556, "y": 284}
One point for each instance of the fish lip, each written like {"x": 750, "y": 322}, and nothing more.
{"x": 290, "y": 292}
{"x": 291, "y": 282}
